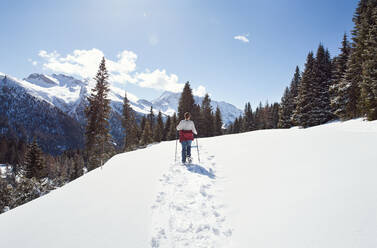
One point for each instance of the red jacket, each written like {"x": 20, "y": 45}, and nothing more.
{"x": 185, "y": 135}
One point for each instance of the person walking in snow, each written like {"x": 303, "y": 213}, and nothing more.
{"x": 186, "y": 130}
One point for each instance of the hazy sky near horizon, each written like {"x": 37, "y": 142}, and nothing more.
{"x": 237, "y": 51}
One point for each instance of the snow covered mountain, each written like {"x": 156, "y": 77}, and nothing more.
{"x": 24, "y": 114}
{"x": 168, "y": 104}
{"x": 300, "y": 192}
{"x": 69, "y": 95}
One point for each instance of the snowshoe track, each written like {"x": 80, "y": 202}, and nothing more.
{"x": 186, "y": 212}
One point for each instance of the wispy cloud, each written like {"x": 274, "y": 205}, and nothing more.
{"x": 84, "y": 64}
{"x": 35, "y": 63}
{"x": 242, "y": 38}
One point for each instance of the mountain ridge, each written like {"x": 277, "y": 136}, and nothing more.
{"x": 62, "y": 97}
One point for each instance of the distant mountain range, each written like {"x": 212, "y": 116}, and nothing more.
{"x": 51, "y": 108}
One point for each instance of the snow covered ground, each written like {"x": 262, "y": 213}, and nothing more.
{"x": 291, "y": 188}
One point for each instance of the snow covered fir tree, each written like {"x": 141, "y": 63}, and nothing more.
{"x": 98, "y": 141}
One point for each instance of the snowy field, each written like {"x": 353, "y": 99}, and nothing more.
{"x": 291, "y": 188}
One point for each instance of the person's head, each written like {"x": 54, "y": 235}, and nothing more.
{"x": 187, "y": 116}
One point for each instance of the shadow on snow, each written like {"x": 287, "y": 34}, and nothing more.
{"x": 201, "y": 170}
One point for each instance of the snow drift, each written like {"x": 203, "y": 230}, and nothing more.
{"x": 312, "y": 187}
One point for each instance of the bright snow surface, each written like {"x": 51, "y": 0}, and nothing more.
{"x": 312, "y": 187}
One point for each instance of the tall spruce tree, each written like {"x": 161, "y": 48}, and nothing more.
{"x": 284, "y": 113}
{"x": 165, "y": 135}
{"x": 151, "y": 119}
{"x": 248, "y": 120}
{"x": 126, "y": 121}
{"x": 218, "y": 122}
{"x": 305, "y": 98}
{"x": 339, "y": 89}
{"x": 195, "y": 117}
{"x": 207, "y": 120}
{"x": 159, "y": 128}
{"x": 353, "y": 75}
{"x": 97, "y": 134}
{"x": 129, "y": 125}
{"x": 369, "y": 67}
{"x": 147, "y": 137}
{"x": 274, "y": 115}
{"x": 173, "y": 128}
{"x": 237, "y": 125}
{"x": 186, "y": 101}
{"x": 322, "y": 79}
{"x": 34, "y": 165}
{"x": 293, "y": 94}
{"x": 142, "y": 123}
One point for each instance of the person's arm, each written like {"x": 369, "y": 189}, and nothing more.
{"x": 194, "y": 129}
{"x": 179, "y": 127}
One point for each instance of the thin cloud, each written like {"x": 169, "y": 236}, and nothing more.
{"x": 242, "y": 38}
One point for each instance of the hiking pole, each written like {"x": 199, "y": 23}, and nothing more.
{"x": 197, "y": 148}
{"x": 176, "y": 141}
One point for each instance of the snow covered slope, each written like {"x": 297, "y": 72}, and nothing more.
{"x": 312, "y": 187}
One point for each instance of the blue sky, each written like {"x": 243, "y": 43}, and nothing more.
{"x": 157, "y": 45}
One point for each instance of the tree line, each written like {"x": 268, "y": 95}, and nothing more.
{"x": 28, "y": 173}
{"x": 158, "y": 128}
{"x": 264, "y": 117}
{"x": 343, "y": 87}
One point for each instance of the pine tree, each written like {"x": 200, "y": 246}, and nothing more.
{"x": 159, "y": 128}
{"x": 293, "y": 94}
{"x": 237, "y": 125}
{"x": 34, "y": 165}
{"x": 165, "y": 134}
{"x": 207, "y": 122}
{"x": 218, "y": 122}
{"x": 321, "y": 113}
{"x": 98, "y": 144}
{"x": 274, "y": 115}
{"x": 196, "y": 117}
{"x": 173, "y": 128}
{"x": 151, "y": 119}
{"x": 313, "y": 101}
{"x": 353, "y": 75}
{"x": 284, "y": 113}
{"x": 305, "y": 98}
{"x": 126, "y": 117}
{"x": 147, "y": 137}
{"x": 339, "y": 90}
{"x": 258, "y": 117}
{"x": 186, "y": 101}
{"x": 142, "y": 124}
{"x": 369, "y": 66}
{"x": 248, "y": 121}
{"x": 129, "y": 125}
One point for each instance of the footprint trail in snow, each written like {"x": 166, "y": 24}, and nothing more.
{"x": 187, "y": 211}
